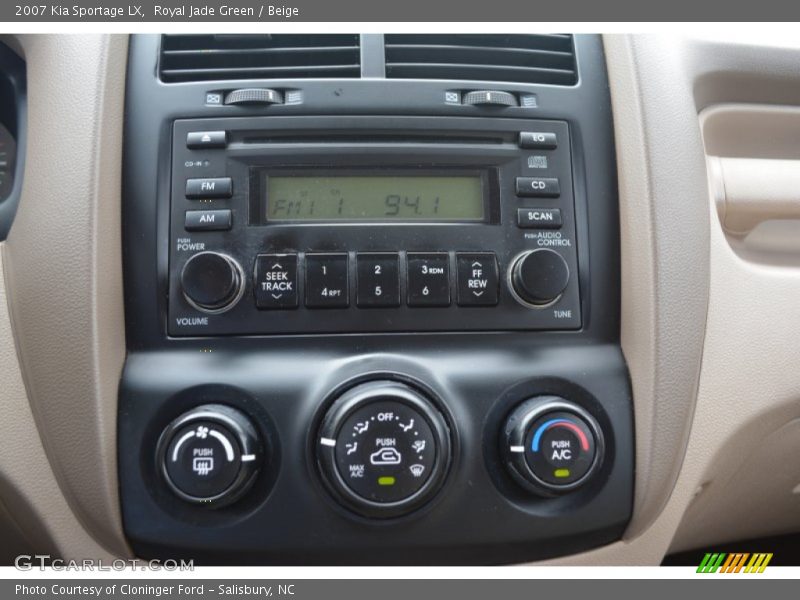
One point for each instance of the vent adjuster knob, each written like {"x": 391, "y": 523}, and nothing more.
{"x": 490, "y": 98}
{"x": 253, "y": 96}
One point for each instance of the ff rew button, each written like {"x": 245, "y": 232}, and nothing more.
{"x": 276, "y": 281}
{"x": 539, "y": 218}
{"x": 478, "y": 279}
{"x": 208, "y": 220}
{"x": 327, "y": 281}
{"x": 538, "y": 187}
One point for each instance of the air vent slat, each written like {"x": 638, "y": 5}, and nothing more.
{"x": 538, "y": 59}
{"x": 285, "y": 56}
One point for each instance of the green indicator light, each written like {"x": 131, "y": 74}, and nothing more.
{"x": 386, "y": 480}
{"x": 561, "y": 472}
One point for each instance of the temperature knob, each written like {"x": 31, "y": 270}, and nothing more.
{"x": 383, "y": 449}
{"x": 212, "y": 282}
{"x": 551, "y": 446}
{"x": 539, "y": 277}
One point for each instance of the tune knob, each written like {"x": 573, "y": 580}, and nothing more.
{"x": 383, "y": 449}
{"x": 551, "y": 446}
{"x": 212, "y": 282}
{"x": 539, "y": 277}
{"x": 210, "y": 455}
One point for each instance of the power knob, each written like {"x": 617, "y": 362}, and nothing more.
{"x": 539, "y": 277}
{"x": 212, "y": 282}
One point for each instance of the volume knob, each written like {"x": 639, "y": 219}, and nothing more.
{"x": 212, "y": 282}
{"x": 539, "y": 277}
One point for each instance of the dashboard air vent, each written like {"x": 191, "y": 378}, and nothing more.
{"x": 542, "y": 59}
{"x": 279, "y": 56}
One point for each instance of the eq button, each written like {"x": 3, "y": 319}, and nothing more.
{"x": 478, "y": 279}
{"x": 543, "y": 140}
{"x": 276, "y": 281}
{"x": 326, "y": 281}
{"x": 428, "y": 279}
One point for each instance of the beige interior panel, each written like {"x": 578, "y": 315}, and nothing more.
{"x": 33, "y": 511}
{"x": 64, "y": 271}
{"x": 735, "y": 479}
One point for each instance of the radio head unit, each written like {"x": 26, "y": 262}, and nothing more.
{"x": 371, "y": 224}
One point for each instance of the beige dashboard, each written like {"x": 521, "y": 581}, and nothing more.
{"x": 710, "y": 283}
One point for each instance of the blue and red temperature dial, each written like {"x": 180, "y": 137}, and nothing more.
{"x": 552, "y": 445}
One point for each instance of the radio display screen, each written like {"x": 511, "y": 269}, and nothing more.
{"x": 381, "y": 198}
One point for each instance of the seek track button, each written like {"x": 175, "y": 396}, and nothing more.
{"x": 478, "y": 279}
{"x": 276, "y": 281}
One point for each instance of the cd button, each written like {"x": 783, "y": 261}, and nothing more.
{"x": 276, "y": 281}
{"x": 538, "y": 187}
{"x": 378, "y": 280}
{"x": 478, "y": 279}
{"x": 326, "y": 281}
{"x": 428, "y": 279}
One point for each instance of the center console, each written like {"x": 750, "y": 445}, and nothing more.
{"x": 370, "y": 320}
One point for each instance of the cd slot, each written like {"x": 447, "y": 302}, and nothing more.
{"x": 492, "y": 138}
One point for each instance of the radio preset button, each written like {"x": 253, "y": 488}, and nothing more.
{"x": 208, "y": 220}
{"x": 209, "y": 187}
{"x": 538, "y": 139}
{"x": 378, "y": 280}
{"x": 538, "y": 187}
{"x": 478, "y": 279}
{"x": 428, "y": 279}
{"x": 196, "y": 140}
{"x": 539, "y": 218}
{"x": 327, "y": 281}
{"x": 276, "y": 281}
